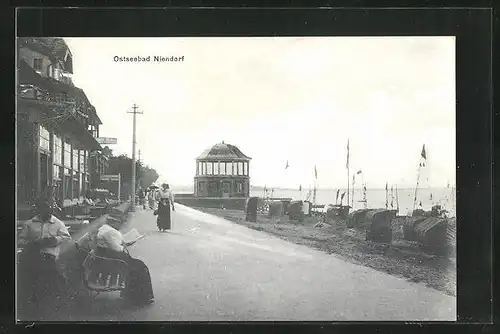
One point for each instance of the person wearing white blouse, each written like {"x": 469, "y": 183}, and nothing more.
{"x": 165, "y": 200}
{"x": 39, "y": 273}
{"x": 110, "y": 244}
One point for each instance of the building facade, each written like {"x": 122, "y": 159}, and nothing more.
{"x": 222, "y": 171}
{"x": 56, "y": 125}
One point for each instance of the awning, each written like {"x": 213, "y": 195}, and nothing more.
{"x": 80, "y": 137}
{"x": 47, "y": 114}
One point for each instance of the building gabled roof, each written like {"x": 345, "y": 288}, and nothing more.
{"x": 53, "y": 47}
{"x": 223, "y": 151}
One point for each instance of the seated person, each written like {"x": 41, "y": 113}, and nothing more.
{"x": 109, "y": 243}
{"x": 40, "y": 275}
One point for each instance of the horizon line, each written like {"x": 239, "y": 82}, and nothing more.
{"x": 319, "y": 188}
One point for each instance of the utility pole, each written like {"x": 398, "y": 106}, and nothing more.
{"x": 139, "y": 160}
{"x": 135, "y": 112}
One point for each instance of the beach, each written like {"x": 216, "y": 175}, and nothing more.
{"x": 376, "y": 198}
{"x": 400, "y": 258}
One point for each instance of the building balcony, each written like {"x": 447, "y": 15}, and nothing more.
{"x": 33, "y": 92}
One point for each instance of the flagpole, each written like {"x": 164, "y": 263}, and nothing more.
{"x": 365, "y": 202}
{"x": 314, "y": 191}
{"x": 392, "y": 197}
{"x": 348, "y": 176}
{"x": 423, "y": 155}
{"x": 353, "y": 183}
{"x": 386, "y": 197}
{"x": 397, "y": 200}
{"x": 416, "y": 188}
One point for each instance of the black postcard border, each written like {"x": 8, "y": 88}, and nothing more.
{"x": 473, "y": 28}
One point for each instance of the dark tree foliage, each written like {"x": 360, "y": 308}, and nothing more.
{"x": 122, "y": 164}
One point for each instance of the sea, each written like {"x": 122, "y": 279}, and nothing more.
{"x": 375, "y": 198}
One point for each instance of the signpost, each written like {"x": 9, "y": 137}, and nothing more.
{"x": 114, "y": 178}
{"x": 107, "y": 141}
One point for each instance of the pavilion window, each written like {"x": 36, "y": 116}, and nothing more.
{"x": 87, "y": 161}
{"x": 245, "y": 169}
{"x": 209, "y": 168}
{"x": 216, "y": 168}
{"x": 82, "y": 160}
{"x": 222, "y": 168}
{"x": 240, "y": 168}
{"x": 76, "y": 165}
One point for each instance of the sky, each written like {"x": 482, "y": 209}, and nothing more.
{"x": 280, "y": 99}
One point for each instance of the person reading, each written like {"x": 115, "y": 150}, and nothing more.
{"x": 110, "y": 243}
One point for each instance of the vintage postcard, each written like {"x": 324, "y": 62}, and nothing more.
{"x": 270, "y": 178}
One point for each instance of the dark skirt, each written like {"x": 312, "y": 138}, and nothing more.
{"x": 138, "y": 286}
{"x": 42, "y": 285}
{"x": 164, "y": 220}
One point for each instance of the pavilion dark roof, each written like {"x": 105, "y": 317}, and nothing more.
{"x": 223, "y": 151}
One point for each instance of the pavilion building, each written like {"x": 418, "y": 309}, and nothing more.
{"x": 222, "y": 171}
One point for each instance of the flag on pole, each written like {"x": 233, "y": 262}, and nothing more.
{"x": 359, "y": 172}
{"x": 286, "y": 167}
{"x": 347, "y": 163}
{"x": 423, "y": 155}
{"x": 315, "y": 172}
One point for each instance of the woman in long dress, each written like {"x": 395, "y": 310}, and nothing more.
{"x": 138, "y": 287}
{"x": 165, "y": 199}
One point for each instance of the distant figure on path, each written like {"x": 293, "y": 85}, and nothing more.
{"x": 151, "y": 199}
{"x": 165, "y": 199}
{"x": 142, "y": 197}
